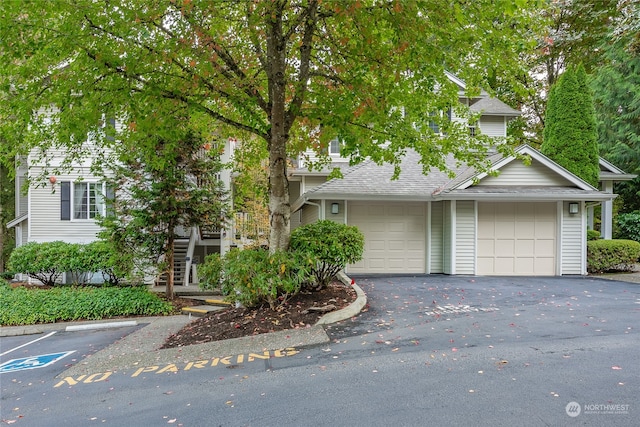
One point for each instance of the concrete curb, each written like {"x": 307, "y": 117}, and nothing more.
{"x": 353, "y": 309}
{"x": 107, "y": 325}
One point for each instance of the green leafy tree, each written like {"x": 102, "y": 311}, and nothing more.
{"x": 295, "y": 73}
{"x": 168, "y": 180}
{"x": 570, "y": 134}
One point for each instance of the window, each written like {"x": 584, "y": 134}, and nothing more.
{"x": 334, "y": 146}
{"x": 82, "y": 200}
{"x": 433, "y": 125}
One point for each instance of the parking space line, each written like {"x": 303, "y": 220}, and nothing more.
{"x": 30, "y": 342}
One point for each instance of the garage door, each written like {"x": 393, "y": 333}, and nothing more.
{"x": 516, "y": 239}
{"x": 394, "y": 236}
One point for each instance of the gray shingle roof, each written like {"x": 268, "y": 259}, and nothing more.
{"x": 493, "y": 107}
{"x": 369, "y": 180}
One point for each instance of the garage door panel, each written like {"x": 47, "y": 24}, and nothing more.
{"x": 503, "y": 266}
{"x": 525, "y": 248}
{"x": 516, "y": 238}
{"x": 505, "y": 229}
{"x": 545, "y": 248}
{"x": 394, "y": 236}
{"x": 504, "y": 248}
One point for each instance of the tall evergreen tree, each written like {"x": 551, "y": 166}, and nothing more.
{"x": 616, "y": 88}
{"x": 570, "y": 134}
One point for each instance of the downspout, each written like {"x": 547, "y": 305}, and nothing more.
{"x": 320, "y": 212}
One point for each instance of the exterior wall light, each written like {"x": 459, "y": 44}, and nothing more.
{"x": 573, "y": 208}
{"x": 335, "y": 208}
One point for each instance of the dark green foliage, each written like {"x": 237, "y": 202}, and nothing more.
{"x": 593, "y": 235}
{"x": 570, "y": 135}
{"x": 333, "y": 245}
{"x": 616, "y": 87}
{"x": 45, "y": 262}
{"x": 22, "y": 306}
{"x": 254, "y": 277}
{"x": 628, "y": 226}
{"x": 104, "y": 258}
{"x": 610, "y": 255}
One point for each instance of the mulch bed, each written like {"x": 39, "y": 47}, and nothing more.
{"x": 241, "y": 322}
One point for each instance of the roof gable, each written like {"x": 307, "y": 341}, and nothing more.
{"x": 549, "y": 171}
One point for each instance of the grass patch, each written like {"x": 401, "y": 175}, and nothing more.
{"x": 28, "y": 306}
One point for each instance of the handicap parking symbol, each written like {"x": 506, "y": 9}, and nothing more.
{"x": 32, "y": 362}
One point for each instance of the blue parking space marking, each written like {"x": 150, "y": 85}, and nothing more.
{"x": 32, "y": 362}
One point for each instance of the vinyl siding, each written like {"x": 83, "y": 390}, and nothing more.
{"x": 309, "y": 182}
{"x": 45, "y": 224}
{"x": 339, "y": 217}
{"x": 436, "y": 254}
{"x": 572, "y": 241}
{"x": 309, "y": 214}
{"x": 465, "y": 237}
{"x": 517, "y": 173}
{"x": 493, "y": 126}
{"x": 447, "y": 262}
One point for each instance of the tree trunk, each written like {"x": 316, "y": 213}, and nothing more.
{"x": 279, "y": 207}
{"x": 170, "y": 272}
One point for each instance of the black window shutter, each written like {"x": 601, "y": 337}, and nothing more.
{"x": 65, "y": 200}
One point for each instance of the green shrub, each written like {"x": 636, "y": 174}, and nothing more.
{"x": 593, "y": 235}
{"x": 101, "y": 256}
{"x": 253, "y": 277}
{"x": 608, "y": 255}
{"x": 23, "y": 306}
{"x": 7, "y": 275}
{"x": 42, "y": 261}
{"x": 210, "y": 272}
{"x": 333, "y": 245}
{"x": 628, "y": 226}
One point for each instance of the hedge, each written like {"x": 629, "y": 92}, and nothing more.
{"x": 612, "y": 255}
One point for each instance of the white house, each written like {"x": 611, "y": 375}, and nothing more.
{"x": 64, "y": 207}
{"x": 524, "y": 220}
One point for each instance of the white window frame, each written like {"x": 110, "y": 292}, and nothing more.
{"x": 94, "y": 204}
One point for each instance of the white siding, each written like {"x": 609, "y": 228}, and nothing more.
{"x": 517, "y": 173}
{"x": 465, "y": 237}
{"x": 436, "y": 238}
{"x": 447, "y": 262}
{"x": 45, "y": 224}
{"x": 572, "y": 241}
{"x": 493, "y": 126}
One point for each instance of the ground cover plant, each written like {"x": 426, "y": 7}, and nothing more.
{"x": 28, "y": 305}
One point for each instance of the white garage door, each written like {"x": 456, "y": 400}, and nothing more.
{"x": 516, "y": 239}
{"x": 394, "y": 236}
